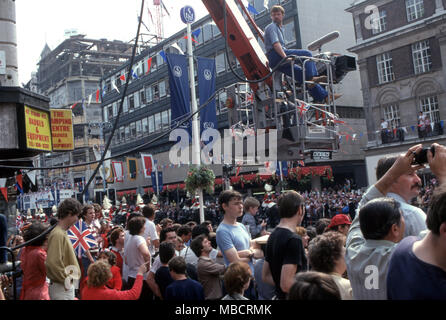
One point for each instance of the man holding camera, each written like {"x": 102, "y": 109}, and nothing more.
{"x": 403, "y": 189}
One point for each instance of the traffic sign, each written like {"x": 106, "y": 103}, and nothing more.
{"x": 187, "y": 14}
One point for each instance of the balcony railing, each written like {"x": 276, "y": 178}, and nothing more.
{"x": 411, "y": 133}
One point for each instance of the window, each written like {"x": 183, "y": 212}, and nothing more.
{"x": 159, "y": 60}
{"x": 107, "y": 85}
{"x": 385, "y": 68}
{"x": 289, "y": 33}
{"x": 138, "y": 128}
{"x": 165, "y": 119}
{"x": 127, "y": 132}
{"x": 392, "y": 116}
{"x": 117, "y": 81}
{"x": 131, "y": 103}
{"x": 162, "y": 88}
{"x": 158, "y": 122}
{"x": 137, "y": 103}
{"x": 155, "y": 92}
{"x": 222, "y": 96}
{"x": 145, "y": 127}
{"x": 220, "y": 62}
{"x": 122, "y": 133}
{"x": 126, "y": 107}
{"x": 415, "y": 9}
{"x": 215, "y": 30}
{"x": 149, "y": 94}
{"x": 421, "y": 53}
{"x": 142, "y": 97}
{"x": 151, "y": 125}
{"x": 110, "y": 112}
{"x": 429, "y": 106}
{"x": 199, "y": 38}
{"x": 115, "y": 109}
{"x": 381, "y": 22}
{"x": 182, "y": 43}
{"x": 105, "y": 113}
{"x": 133, "y": 129}
{"x": 154, "y": 63}
{"x": 207, "y": 32}
{"x": 259, "y": 5}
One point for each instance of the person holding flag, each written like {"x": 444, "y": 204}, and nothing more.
{"x": 61, "y": 263}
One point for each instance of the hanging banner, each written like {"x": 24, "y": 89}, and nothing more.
{"x": 206, "y": 85}
{"x": 106, "y": 164}
{"x": 62, "y": 129}
{"x": 179, "y": 89}
{"x": 147, "y": 164}
{"x": 38, "y": 130}
{"x": 156, "y": 186}
{"x": 132, "y": 167}
{"x": 118, "y": 171}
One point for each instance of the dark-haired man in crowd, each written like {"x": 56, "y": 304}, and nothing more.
{"x": 166, "y": 235}
{"x": 61, "y": 260}
{"x": 371, "y": 241}
{"x": 208, "y": 271}
{"x": 285, "y": 254}
{"x": 233, "y": 239}
{"x": 417, "y": 269}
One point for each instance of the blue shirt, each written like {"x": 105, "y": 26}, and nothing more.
{"x": 273, "y": 34}
{"x": 185, "y": 290}
{"x": 236, "y": 237}
{"x": 410, "y": 278}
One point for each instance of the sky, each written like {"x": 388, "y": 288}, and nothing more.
{"x": 45, "y": 21}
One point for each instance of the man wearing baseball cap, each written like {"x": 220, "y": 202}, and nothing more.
{"x": 340, "y": 223}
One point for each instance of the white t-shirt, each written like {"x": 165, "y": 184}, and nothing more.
{"x": 134, "y": 257}
{"x": 384, "y": 125}
{"x": 150, "y": 231}
{"x": 189, "y": 256}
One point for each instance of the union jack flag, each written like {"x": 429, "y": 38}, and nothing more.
{"x": 81, "y": 238}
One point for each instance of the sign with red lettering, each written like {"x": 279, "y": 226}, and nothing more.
{"x": 38, "y": 130}
{"x": 62, "y": 129}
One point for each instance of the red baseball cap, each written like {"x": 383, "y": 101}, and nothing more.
{"x": 339, "y": 219}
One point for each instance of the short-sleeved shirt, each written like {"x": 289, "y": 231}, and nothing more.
{"x": 229, "y": 236}
{"x": 150, "y": 231}
{"x": 284, "y": 247}
{"x": 273, "y": 34}
{"x": 410, "y": 278}
{"x": 133, "y": 256}
{"x": 163, "y": 279}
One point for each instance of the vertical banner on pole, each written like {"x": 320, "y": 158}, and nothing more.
{"x": 206, "y": 85}
{"x": 179, "y": 88}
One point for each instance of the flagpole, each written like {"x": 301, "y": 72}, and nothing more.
{"x": 195, "y": 124}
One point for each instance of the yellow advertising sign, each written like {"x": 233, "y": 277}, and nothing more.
{"x": 62, "y": 129}
{"x": 38, "y": 131}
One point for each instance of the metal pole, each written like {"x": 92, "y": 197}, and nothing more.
{"x": 195, "y": 124}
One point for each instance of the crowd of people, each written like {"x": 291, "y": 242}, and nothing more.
{"x": 386, "y": 248}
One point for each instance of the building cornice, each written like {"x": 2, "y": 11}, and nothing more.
{"x": 392, "y": 34}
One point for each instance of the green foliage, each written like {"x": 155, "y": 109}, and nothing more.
{"x": 200, "y": 178}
